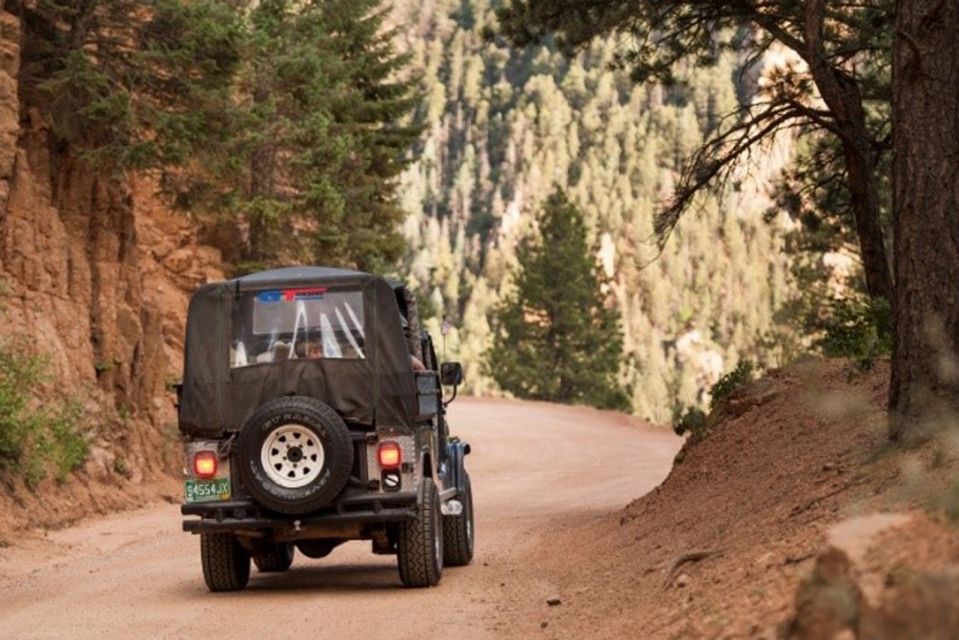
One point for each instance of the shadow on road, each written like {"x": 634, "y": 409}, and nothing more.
{"x": 331, "y": 578}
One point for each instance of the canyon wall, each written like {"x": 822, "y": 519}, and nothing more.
{"x": 95, "y": 275}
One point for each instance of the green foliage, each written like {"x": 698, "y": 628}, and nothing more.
{"x": 103, "y": 366}
{"x": 860, "y": 329}
{"x": 62, "y": 445}
{"x": 17, "y": 374}
{"x": 691, "y": 420}
{"x": 811, "y": 192}
{"x": 743, "y": 372}
{"x": 830, "y": 309}
{"x": 656, "y": 37}
{"x": 505, "y": 125}
{"x": 319, "y": 136}
{"x": 288, "y": 118}
{"x": 556, "y": 338}
{"x": 132, "y": 83}
{"x": 36, "y": 439}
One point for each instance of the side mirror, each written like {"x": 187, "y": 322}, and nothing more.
{"x": 451, "y": 373}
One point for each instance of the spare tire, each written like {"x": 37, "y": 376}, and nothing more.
{"x": 294, "y": 455}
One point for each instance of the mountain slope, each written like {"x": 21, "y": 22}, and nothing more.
{"x": 505, "y": 127}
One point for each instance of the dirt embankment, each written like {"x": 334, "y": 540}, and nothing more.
{"x": 799, "y": 462}
{"x": 94, "y": 274}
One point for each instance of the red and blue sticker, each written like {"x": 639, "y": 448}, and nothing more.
{"x": 290, "y": 295}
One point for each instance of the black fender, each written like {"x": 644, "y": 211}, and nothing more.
{"x": 458, "y": 450}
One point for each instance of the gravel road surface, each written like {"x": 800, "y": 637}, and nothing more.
{"x": 535, "y": 467}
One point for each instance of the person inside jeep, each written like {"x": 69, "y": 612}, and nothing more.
{"x": 288, "y": 324}
{"x": 406, "y": 305}
{"x": 309, "y": 350}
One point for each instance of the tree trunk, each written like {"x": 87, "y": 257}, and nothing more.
{"x": 925, "y": 373}
{"x": 841, "y": 94}
{"x": 861, "y": 182}
{"x": 262, "y": 182}
{"x": 262, "y": 167}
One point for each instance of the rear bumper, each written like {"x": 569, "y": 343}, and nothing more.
{"x": 240, "y": 515}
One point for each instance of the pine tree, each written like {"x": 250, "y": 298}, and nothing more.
{"x": 131, "y": 84}
{"x": 657, "y": 38}
{"x": 540, "y": 121}
{"x": 925, "y": 387}
{"x": 320, "y": 135}
{"x": 556, "y": 338}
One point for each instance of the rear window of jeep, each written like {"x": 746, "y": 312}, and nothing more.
{"x": 302, "y": 323}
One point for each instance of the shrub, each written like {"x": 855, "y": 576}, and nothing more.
{"x": 731, "y": 381}
{"x": 690, "y": 420}
{"x": 695, "y": 421}
{"x": 860, "y": 329}
{"x": 17, "y": 373}
{"x": 36, "y": 439}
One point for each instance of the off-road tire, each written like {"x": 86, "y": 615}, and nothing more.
{"x": 226, "y": 564}
{"x": 459, "y": 532}
{"x": 273, "y": 557}
{"x": 333, "y": 434}
{"x": 419, "y": 542}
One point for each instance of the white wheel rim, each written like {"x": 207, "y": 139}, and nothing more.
{"x": 292, "y": 456}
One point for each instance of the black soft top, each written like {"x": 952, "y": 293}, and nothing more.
{"x": 294, "y": 276}
{"x": 377, "y": 391}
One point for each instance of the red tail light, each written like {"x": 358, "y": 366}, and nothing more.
{"x": 204, "y": 464}
{"x": 390, "y": 455}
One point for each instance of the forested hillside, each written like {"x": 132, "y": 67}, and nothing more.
{"x": 506, "y": 126}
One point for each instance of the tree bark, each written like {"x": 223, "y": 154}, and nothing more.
{"x": 262, "y": 181}
{"x": 841, "y": 94}
{"x": 860, "y": 160}
{"x": 262, "y": 167}
{"x": 925, "y": 370}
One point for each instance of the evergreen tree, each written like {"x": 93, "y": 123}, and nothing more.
{"x": 540, "y": 120}
{"x": 557, "y": 339}
{"x": 319, "y": 135}
{"x": 131, "y": 84}
{"x": 842, "y": 46}
{"x": 925, "y": 385}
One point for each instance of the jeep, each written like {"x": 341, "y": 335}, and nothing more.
{"x": 312, "y": 413}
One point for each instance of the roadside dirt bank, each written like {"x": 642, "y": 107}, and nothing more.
{"x": 536, "y": 468}
{"x": 733, "y": 544}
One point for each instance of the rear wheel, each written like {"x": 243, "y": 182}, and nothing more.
{"x": 458, "y": 531}
{"x": 273, "y": 557}
{"x": 226, "y": 564}
{"x": 419, "y": 542}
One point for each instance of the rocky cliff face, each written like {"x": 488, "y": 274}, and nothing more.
{"x": 95, "y": 275}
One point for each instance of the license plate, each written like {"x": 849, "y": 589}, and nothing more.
{"x": 207, "y": 490}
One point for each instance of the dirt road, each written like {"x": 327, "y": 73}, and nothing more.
{"x": 535, "y": 467}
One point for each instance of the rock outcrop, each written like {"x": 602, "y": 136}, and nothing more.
{"x": 95, "y": 274}
{"x": 914, "y": 604}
